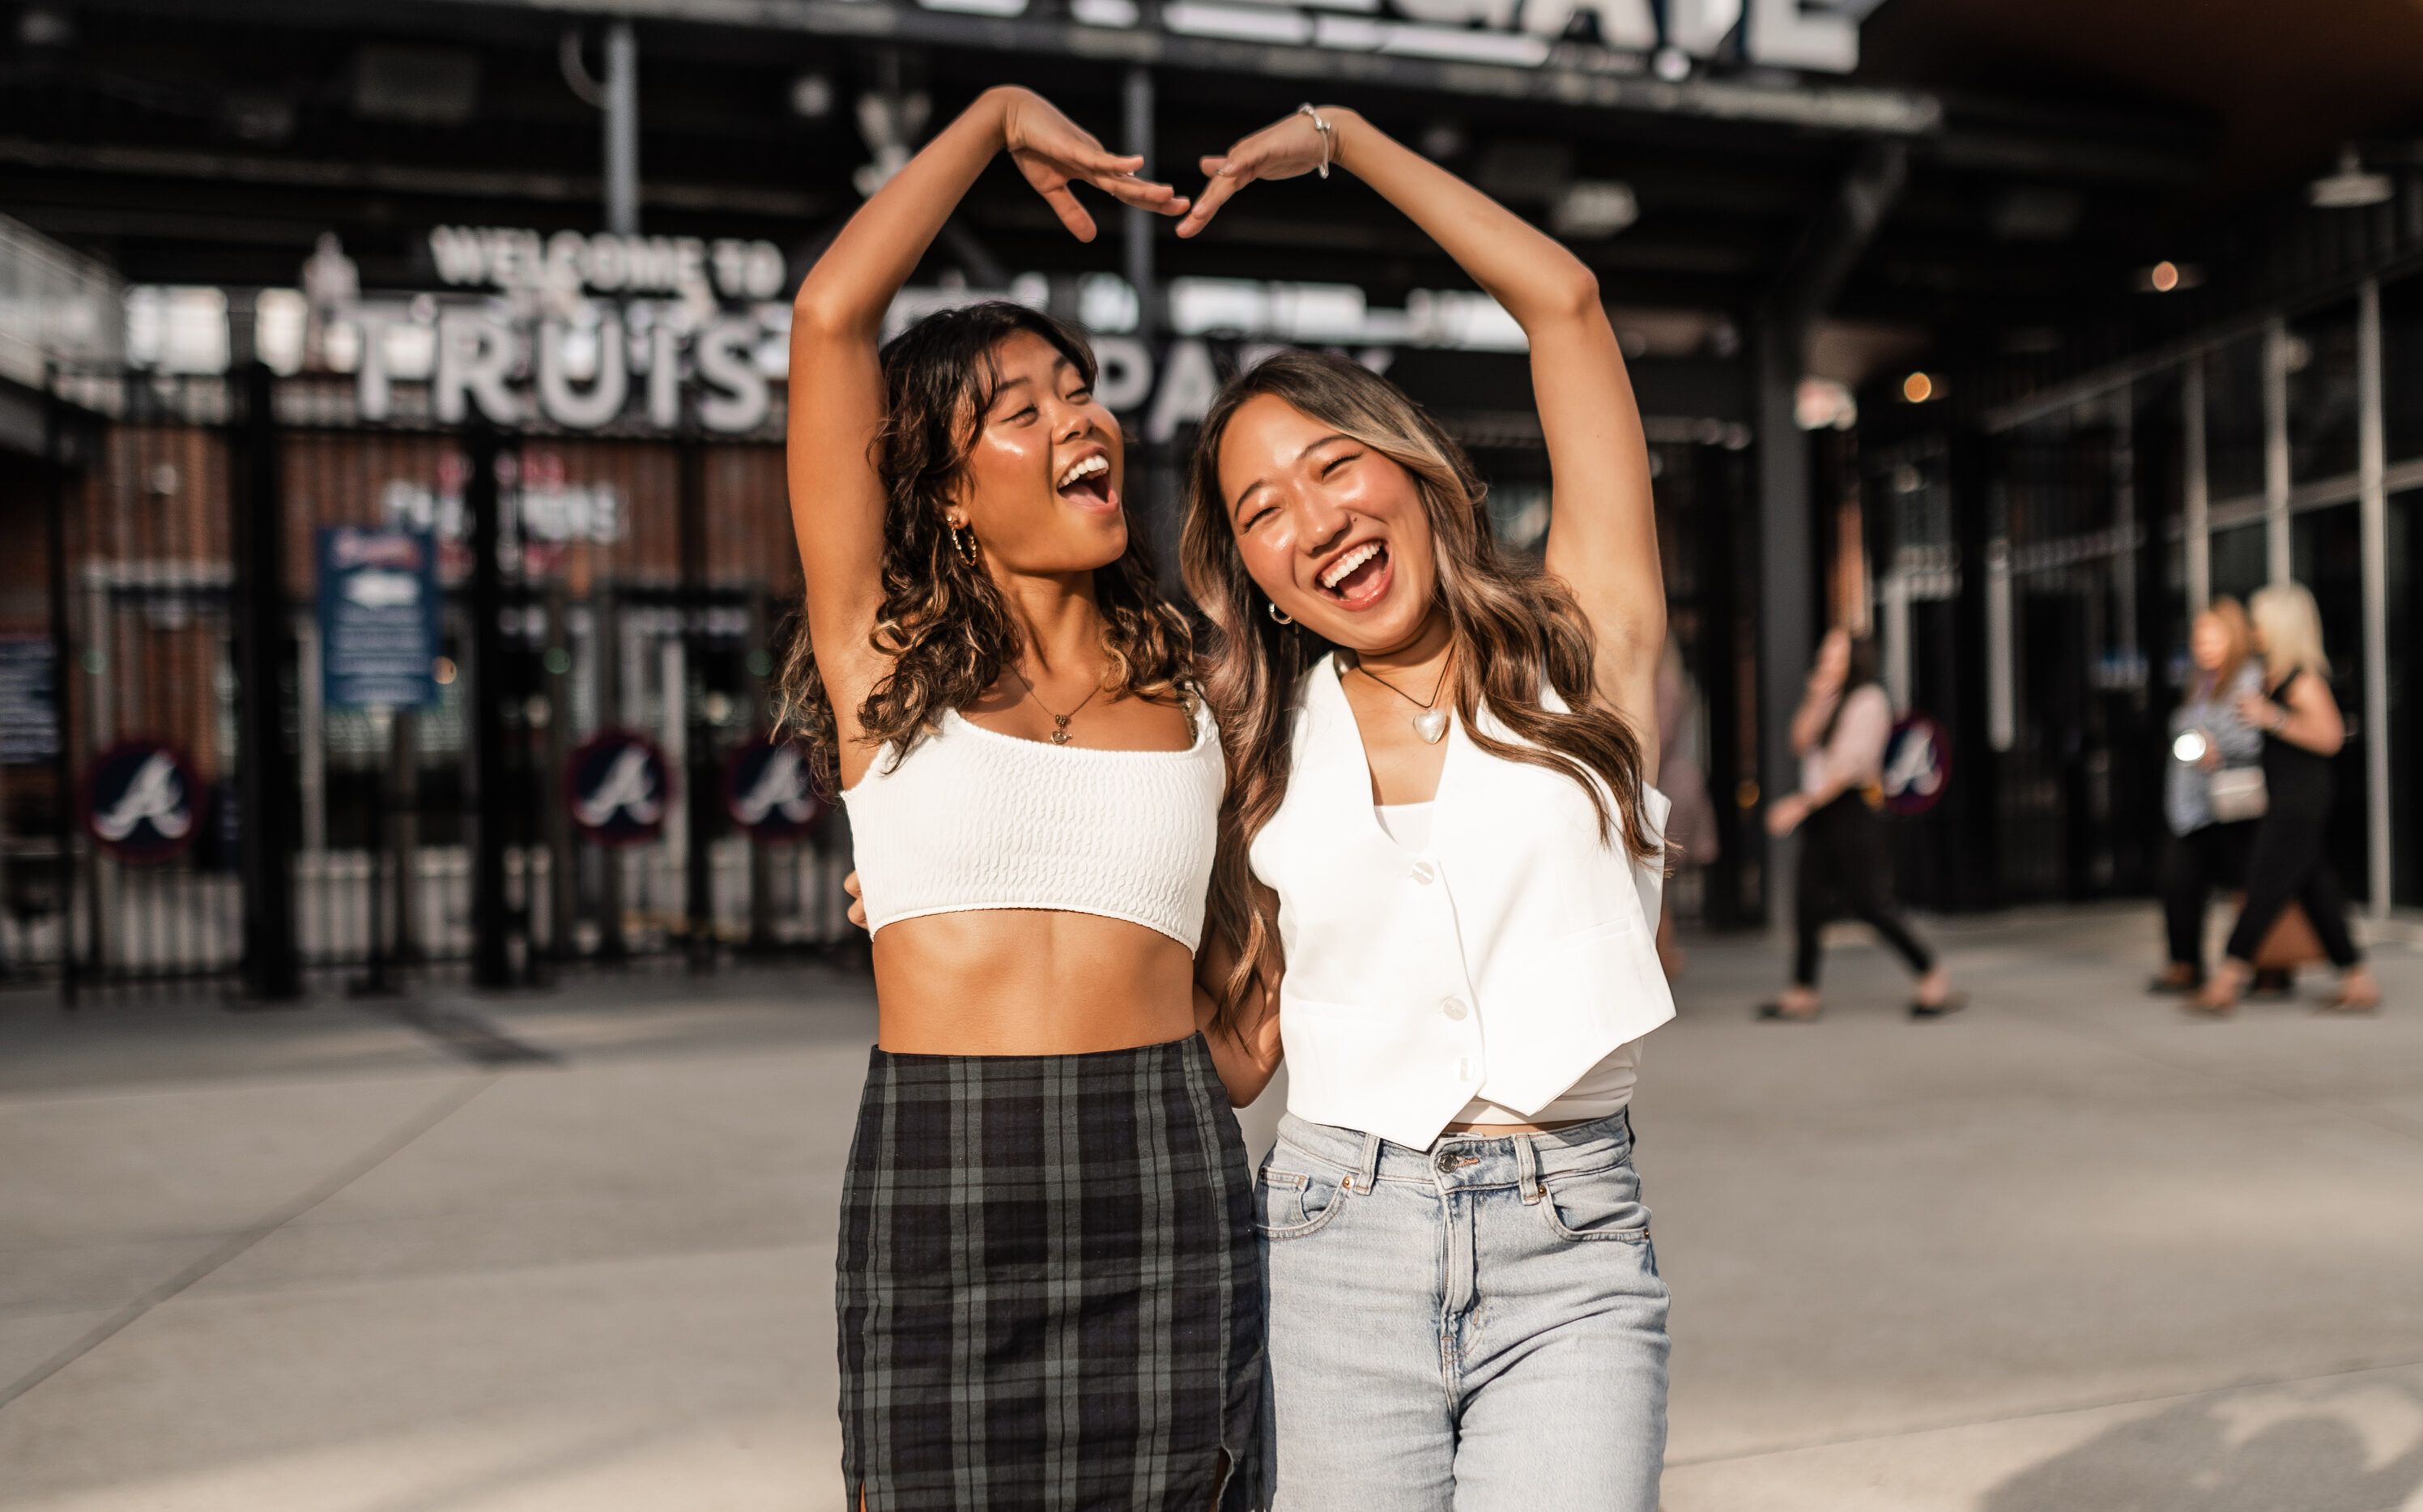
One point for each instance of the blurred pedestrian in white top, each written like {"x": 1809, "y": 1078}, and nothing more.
{"x": 1843, "y": 725}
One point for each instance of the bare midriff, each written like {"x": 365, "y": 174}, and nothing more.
{"x": 1017, "y": 981}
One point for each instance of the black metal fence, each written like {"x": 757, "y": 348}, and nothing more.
{"x": 590, "y": 581}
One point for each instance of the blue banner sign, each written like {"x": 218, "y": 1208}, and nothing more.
{"x": 767, "y": 792}
{"x": 619, "y": 788}
{"x": 379, "y": 610}
{"x": 142, "y": 800}
{"x": 29, "y": 722}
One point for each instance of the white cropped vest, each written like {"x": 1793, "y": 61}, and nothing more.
{"x": 972, "y": 818}
{"x": 1502, "y": 962}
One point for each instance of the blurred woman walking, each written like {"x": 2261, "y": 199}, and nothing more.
{"x": 2302, "y": 732}
{"x": 2209, "y": 805}
{"x": 1840, "y": 732}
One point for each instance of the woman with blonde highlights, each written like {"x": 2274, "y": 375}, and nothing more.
{"x": 1046, "y": 1285}
{"x": 1437, "y": 889}
{"x": 2209, "y": 735}
{"x": 2303, "y": 731}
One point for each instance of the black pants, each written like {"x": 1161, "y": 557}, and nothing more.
{"x": 2286, "y": 863}
{"x": 1844, "y": 869}
{"x": 2198, "y": 862}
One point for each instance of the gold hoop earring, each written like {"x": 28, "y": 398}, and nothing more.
{"x": 1277, "y": 617}
{"x": 963, "y": 540}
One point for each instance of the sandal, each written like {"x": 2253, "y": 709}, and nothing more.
{"x": 1952, "y": 1003}
{"x": 2174, "y": 978}
{"x": 2362, "y": 995}
{"x": 2273, "y": 981}
{"x": 1777, "y": 1010}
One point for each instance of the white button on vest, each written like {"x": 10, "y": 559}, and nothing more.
{"x": 1423, "y": 871}
{"x": 1454, "y": 1009}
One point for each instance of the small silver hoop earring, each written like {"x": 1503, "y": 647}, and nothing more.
{"x": 1276, "y": 617}
{"x": 963, "y": 540}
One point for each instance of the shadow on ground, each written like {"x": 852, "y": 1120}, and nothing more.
{"x": 2345, "y": 1449}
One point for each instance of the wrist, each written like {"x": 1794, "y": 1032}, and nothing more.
{"x": 1346, "y": 124}
{"x": 994, "y": 108}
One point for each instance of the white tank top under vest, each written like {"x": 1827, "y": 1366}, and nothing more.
{"x": 972, "y": 818}
{"x": 1499, "y": 963}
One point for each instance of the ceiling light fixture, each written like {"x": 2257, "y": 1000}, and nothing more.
{"x": 2167, "y": 276}
{"x": 2351, "y": 187}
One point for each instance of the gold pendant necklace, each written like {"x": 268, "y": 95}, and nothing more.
{"x": 1059, "y": 722}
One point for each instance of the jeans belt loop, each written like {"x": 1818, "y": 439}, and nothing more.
{"x": 1527, "y": 1169}
{"x": 1367, "y": 1173}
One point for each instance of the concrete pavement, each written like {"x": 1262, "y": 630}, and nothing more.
{"x": 2060, "y": 1251}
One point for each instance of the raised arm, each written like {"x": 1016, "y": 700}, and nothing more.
{"x": 836, "y": 390}
{"x": 1603, "y": 535}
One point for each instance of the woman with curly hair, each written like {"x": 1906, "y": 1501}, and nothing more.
{"x": 1047, "y": 1290}
{"x": 1437, "y": 889}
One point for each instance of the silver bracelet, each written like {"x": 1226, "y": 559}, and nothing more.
{"x": 1328, "y": 134}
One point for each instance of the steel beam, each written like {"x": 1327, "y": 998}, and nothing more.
{"x": 1576, "y": 74}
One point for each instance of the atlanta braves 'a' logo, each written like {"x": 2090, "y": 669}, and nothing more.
{"x": 619, "y": 788}
{"x": 142, "y": 800}
{"x": 768, "y": 790}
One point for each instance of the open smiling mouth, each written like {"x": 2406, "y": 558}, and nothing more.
{"x": 1358, "y": 578}
{"x": 1088, "y": 483}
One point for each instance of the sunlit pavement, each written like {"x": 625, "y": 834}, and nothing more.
{"x": 2062, "y": 1252}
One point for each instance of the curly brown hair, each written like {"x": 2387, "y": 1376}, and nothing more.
{"x": 944, "y": 622}
{"x": 1515, "y": 629}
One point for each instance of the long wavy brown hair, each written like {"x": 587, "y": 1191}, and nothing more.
{"x": 1514, "y": 629}
{"x": 944, "y": 622}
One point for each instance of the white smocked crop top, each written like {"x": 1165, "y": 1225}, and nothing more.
{"x": 972, "y": 818}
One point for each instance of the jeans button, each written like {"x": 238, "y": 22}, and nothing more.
{"x": 1454, "y": 1008}
{"x": 1446, "y": 1161}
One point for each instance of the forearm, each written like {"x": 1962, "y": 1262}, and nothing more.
{"x": 851, "y": 285}
{"x": 1521, "y": 266}
{"x": 2320, "y": 733}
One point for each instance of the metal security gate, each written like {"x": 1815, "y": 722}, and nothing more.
{"x": 633, "y": 581}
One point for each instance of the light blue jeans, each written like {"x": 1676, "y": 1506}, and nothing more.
{"x": 1477, "y": 1327}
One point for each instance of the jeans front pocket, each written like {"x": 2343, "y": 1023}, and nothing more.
{"x": 1597, "y": 1204}
{"x": 1289, "y": 1204}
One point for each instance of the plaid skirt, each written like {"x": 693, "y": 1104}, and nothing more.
{"x": 1049, "y": 1286}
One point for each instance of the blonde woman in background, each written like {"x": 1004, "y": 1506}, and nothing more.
{"x": 2302, "y": 732}
{"x": 2207, "y": 851}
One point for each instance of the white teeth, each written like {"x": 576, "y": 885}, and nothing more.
{"x": 1090, "y": 468}
{"x": 1339, "y": 569}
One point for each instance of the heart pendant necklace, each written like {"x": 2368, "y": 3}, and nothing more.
{"x": 1431, "y": 723}
{"x": 1059, "y": 722}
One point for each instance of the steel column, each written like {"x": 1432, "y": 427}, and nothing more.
{"x": 698, "y": 783}
{"x": 2279, "y": 548}
{"x": 491, "y": 959}
{"x": 622, "y": 114}
{"x": 2372, "y": 518}
{"x": 2198, "y": 488}
{"x": 64, "y": 671}
{"x": 266, "y": 776}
